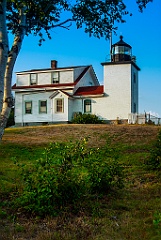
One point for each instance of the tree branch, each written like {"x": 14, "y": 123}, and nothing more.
{"x": 64, "y": 22}
{"x": 57, "y": 25}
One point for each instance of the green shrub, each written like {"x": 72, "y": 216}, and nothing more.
{"x": 154, "y": 161}
{"x": 66, "y": 174}
{"x": 157, "y": 219}
{"x": 86, "y": 119}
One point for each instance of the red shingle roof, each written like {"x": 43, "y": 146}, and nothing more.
{"x": 90, "y": 90}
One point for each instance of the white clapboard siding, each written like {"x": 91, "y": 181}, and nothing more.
{"x": 23, "y": 80}
{"x": 78, "y": 105}
{"x": 44, "y": 78}
{"x": 66, "y": 76}
{"x": 78, "y": 71}
{"x": 70, "y": 109}
{"x": 117, "y": 86}
{"x": 18, "y": 108}
{"x": 120, "y": 92}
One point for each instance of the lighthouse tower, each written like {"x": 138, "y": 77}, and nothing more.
{"x": 121, "y": 82}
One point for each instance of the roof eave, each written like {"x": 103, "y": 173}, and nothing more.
{"x": 123, "y": 62}
{"x": 50, "y": 69}
{"x": 89, "y": 95}
{"x": 30, "y": 90}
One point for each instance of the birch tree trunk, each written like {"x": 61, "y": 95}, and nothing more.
{"x": 4, "y": 48}
{"x": 7, "y": 101}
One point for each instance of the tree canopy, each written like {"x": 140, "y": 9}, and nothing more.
{"x": 96, "y": 16}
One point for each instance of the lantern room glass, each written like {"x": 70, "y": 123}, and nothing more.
{"x": 121, "y": 50}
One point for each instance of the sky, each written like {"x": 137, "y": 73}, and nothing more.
{"x": 74, "y": 48}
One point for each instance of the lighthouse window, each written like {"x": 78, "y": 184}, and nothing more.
{"x": 119, "y": 49}
{"x": 116, "y": 50}
{"x": 127, "y": 50}
{"x": 134, "y": 78}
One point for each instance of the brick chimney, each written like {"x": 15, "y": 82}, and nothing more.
{"x": 53, "y": 64}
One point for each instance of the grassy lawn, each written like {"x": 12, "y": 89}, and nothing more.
{"x": 133, "y": 212}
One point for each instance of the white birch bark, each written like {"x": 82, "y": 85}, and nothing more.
{"x": 3, "y": 48}
{"x": 12, "y": 56}
{"x": 3, "y": 58}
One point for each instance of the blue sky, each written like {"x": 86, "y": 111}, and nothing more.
{"x": 74, "y": 47}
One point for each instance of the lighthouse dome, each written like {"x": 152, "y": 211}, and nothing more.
{"x": 121, "y": 51}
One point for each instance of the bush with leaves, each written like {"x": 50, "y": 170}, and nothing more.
{"x": 86, "y": 119}
{"x": 66, "y": 174}
{"x": 154, "y": 161}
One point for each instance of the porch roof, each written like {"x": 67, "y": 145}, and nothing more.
{"x": 89, "y": 90}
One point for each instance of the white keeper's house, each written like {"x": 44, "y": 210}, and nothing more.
{"x": 54, "y": 95}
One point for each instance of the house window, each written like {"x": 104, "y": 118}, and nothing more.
{"x": 87, "y": 106}
{"x": 55, "y": 77}
{"x": 28, "y": 107}
{"x": 59, "y": 105}
{"x": 42, "y": 106}
{"x": 33, "y": 79}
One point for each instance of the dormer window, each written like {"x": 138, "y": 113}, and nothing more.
{"x": 55, "y": 77}
{"x": 33, "y": 78}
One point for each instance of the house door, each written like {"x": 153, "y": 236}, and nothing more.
{"x": 59, "y": 110}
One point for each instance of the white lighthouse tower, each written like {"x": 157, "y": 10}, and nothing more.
{"x": 121, "y": 82}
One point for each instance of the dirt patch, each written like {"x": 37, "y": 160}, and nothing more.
{"x": 96, "y": 134}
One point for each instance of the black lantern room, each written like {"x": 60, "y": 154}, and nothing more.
{"x": 121, "y": 51}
